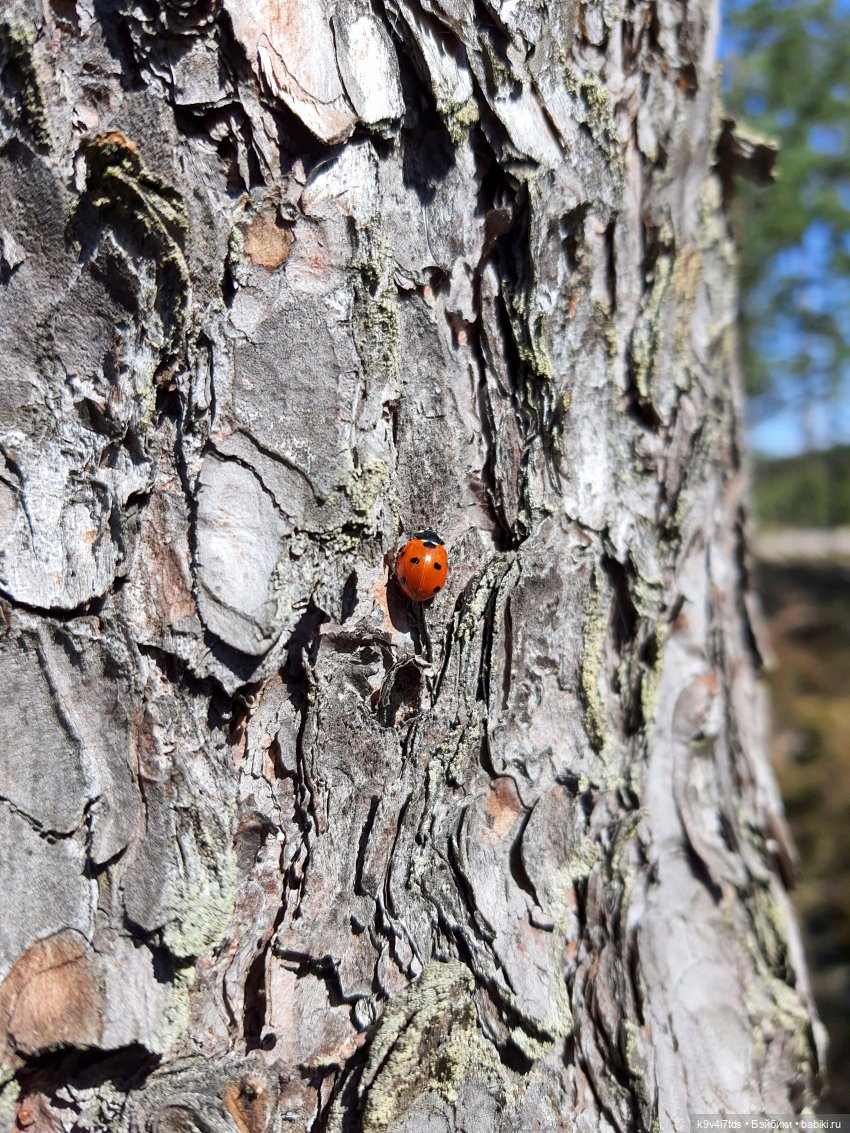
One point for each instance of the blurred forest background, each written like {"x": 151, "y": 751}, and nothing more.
{"x": 787, "y": 78}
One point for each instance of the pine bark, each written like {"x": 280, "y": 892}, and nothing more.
{"x": 281, "y": 280}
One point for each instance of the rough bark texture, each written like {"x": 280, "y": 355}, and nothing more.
{"x": 281, "y": 279}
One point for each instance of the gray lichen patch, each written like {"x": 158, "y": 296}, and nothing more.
{"x": 427, "y": 1042}
{"x": 375, "y": 316}
{"x": 204, "y": 892}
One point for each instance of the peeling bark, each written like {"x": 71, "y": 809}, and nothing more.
{"x": 279, "y": 282}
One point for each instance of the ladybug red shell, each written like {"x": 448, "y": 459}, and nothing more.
{"x": 422, "y": 566}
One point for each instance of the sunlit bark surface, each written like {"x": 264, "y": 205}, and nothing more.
{"x": 281, "y": 280}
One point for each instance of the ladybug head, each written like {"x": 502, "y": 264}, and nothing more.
{"x": 428, "y": 537}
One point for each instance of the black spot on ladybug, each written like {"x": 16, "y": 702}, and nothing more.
{"x": 436, "y": 566}
{"x": 436, "y": 588}
{"x": 403, "y": 580}
{"x": 415, "y": 560}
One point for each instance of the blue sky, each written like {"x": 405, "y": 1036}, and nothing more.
{"x": 813, "y": 410}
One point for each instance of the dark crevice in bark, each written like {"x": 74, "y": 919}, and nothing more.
{"x": 345, "y": 1097}
{"x": 228, "y": 284}
{"x": 587, "y": 799}
{"x": 572, "y": 236}
{"x": 653, "y": 25}
{"x": 296, "y": 141}
{"x": 517, "y": 864}
{"x": 119, "y": 42}
{"x": 401, "y": 689}
{"x": 428, "y": 153}
{"x": 635, "y": 976}
{"x": 124, "y": 1071}
{"x": 639, "y": 407}
{"x": 652, "y": 247}
{"x": 513, "y": 1057}
{"x": 91, "y": 608}
{"x": 497, "y": 37}
{"x": 242, "y": 665}
{"x": 571, "y": 782}
{"x": 228, "y": 154}
{"x": 488, "y": 634}
{"x": 492, "y": 189}
{"x": 298, "y": 675}
{"x": 241, "y": 707}
{"x": 700, "y": 869}
{"x": 365, "y": 834}
{"x": 624, "y": 616}
{"x": 297, "y": 145}
{"x": 448, "y": 647}
{"x": 349, "y": 600}
{"x": 175, "y": 670}
{"x": 508, "y": 658}
{"x": 611, "y": 264}
{"x": 415, "y": 80}
{"x": 504, "y": 537}
{"x": 497, "y": 1023}
{"x": 627, "y": 634}
{"x": 418, "y": 626}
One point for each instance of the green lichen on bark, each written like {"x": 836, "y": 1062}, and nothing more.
{"x": 428, "y": 1041}
{"x": 459, "y": 117}
{"x": 599, "y": 116}
{"x": 9, "y": 1092}
{"x": 339, "y": 522}
{"x": 206, "y": 895}
{"x": 594, "y": 640}
{"x": 772, "y": 1003}
{"x": 150, "y": 222}
{"x": 645, "y": 339}
{"x": 22, "y": 93}
{"x": 174, "y": 1018}
{"x": 651, "y": 674}
{"x": 377, "y": 332}
{"x": 480, "y": 593}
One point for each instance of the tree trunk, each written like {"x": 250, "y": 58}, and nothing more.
{"x": 282, "y": 280}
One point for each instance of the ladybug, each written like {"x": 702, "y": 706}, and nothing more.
{"x": 422, "y": 566}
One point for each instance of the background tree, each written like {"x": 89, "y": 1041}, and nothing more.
{"x": 281, "y": 280}
{"x": 786, "y": 66}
